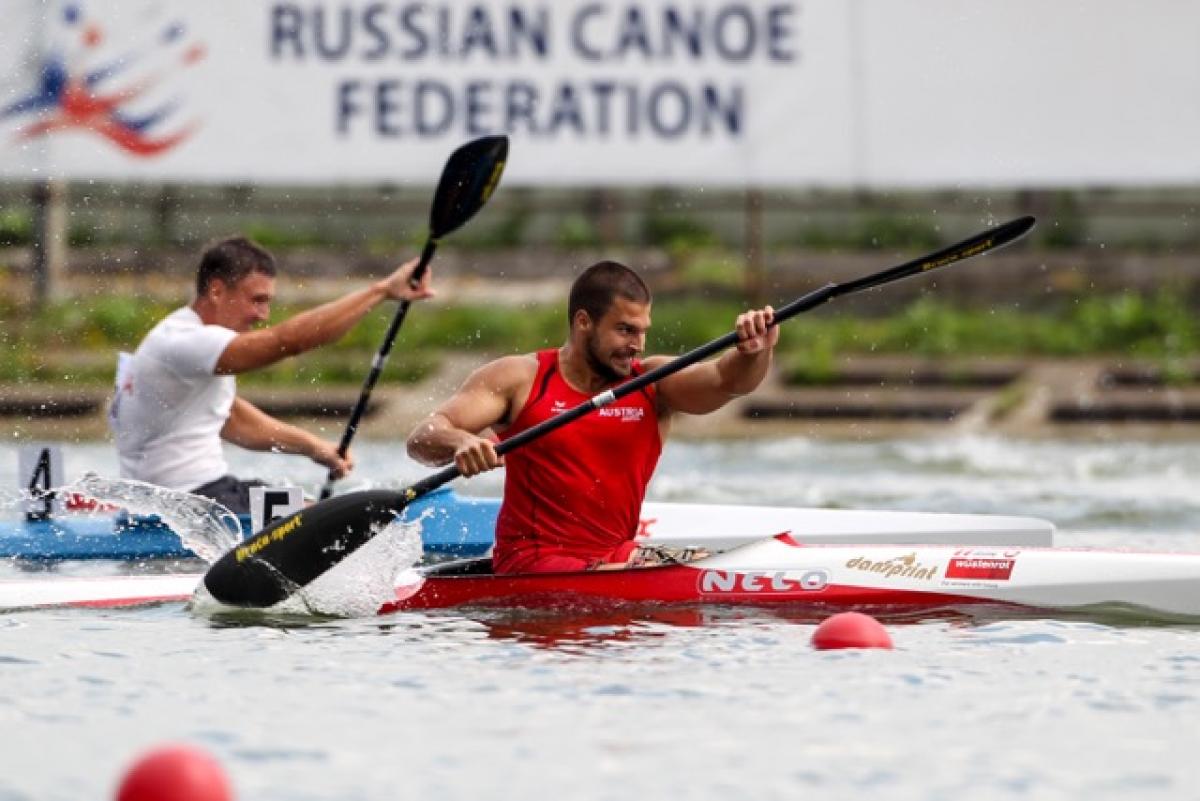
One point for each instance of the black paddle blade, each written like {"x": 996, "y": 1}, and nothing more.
{"x": 468, "y": 180}
{"x": 290, "y": 553}
{"x": 977, "y": 245}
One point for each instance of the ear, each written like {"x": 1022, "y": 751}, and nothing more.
{"x": 217, "y": 289}
{"x": 581, "y": 320}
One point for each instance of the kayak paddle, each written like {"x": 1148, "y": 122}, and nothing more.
{"x": 470, "y": 176}
{"x": 292, "y": 552}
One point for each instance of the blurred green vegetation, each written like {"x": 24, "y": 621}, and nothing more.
{"x": 1158, "y": 328}
{"x": 276, "y": 238}
{"x": 711, "y": 268}
{"x": 324, "y": 368}
{"x": 1066, "y": 227}
{"x": 16, "y": 228}
{"x": 577, "y": 231}
{"x": 876, "y": 231}
{"x": 77, "y": 341}
{"x": 1159, "y": 219}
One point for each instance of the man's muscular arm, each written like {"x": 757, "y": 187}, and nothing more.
{"x": 311, "y": 329}
{"x": 251, "y": 428}
{"x": 706, "y": 387}
{"x": 485, "y": 400}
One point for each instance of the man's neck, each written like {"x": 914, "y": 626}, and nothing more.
{"x": 204, "y": 311}
{"x": 578, "y": 372}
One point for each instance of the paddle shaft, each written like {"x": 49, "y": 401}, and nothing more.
{"x": 980, "y": 243}
{"x": 377, "y": 364}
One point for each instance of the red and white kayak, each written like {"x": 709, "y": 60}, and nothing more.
{"x": 781, "y": 570}
{"x": 771, "y": 572}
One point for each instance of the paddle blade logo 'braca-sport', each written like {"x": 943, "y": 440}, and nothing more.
{"x": 122, "y": 91}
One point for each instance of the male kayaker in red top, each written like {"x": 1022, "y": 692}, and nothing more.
{"x": 572, "y": 498}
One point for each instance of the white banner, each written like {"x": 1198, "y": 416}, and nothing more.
{"x": 695, "y": 92}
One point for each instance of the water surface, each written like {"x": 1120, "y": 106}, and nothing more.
{"x": 695, "y": 704}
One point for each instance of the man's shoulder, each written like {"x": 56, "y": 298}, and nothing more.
{"x": 654, "y": 362}
{"x": 519, "y": 363}
{"x": 182, "y": 340}
{"x": 508, "y": 373}
{"x": 180, "y": 321}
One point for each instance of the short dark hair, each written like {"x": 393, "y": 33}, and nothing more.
{"x": 597, "y": 286}
{"x": 231, "y": 260}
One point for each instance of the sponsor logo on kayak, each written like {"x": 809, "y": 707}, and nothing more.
{"x": 987, "y": 553}
{"x": 716, "y": 582}
{"x": 896, "y": 567}
{"x": 980, "y": 568}
{"x": 267, "y": 537}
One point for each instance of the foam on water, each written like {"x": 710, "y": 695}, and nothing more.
{"x": 206, "y": 527}
{"x": 995, "y": 456}
{"x": 1088, "y": 486}
{"x": 359, "y": 585}
{"x": 366, "y": 579}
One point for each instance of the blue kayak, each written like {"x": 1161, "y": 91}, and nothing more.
{"x": 452, "y": 526}
{"x": 455, "y": 526}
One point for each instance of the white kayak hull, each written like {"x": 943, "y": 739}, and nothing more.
{"x": 771, "y": 572}
{"x": 719, "y": 528}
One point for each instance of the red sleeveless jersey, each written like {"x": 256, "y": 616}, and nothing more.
{"x": 576, "y": 493}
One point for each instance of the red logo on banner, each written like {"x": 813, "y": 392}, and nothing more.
{"x": 86, "y": 83}
{"x": 980, "y": 568}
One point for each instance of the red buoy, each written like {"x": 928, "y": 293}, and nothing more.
{"x": 175, "y": 773}
{"x": 850, "y": 630}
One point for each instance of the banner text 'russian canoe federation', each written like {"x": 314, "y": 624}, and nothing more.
{"x": 590, "y": 92}
{"x": 887, "y": 93}
{"x": 468, "y": 70}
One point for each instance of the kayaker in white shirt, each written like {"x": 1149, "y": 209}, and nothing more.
{"x": 176, "y": 396}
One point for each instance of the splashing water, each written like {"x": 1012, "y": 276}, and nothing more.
{"x": 367, "y": 578}
{"x": 359, "y": 585}
{"x": 206, "y": 527}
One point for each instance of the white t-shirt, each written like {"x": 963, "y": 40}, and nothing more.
{"x": 169, "y": 407}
